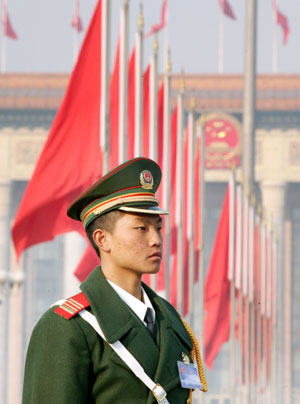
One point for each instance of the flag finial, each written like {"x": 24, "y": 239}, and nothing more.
{"x": 203, "y": 119}
{"x": 253, "y": 199}
{"x": 169, "y": 65}
{"x": 141, "y": 18}
{"x": 182, "y": 82}
{"x": 193, "y": 102}
{"x": 155, "y": 44}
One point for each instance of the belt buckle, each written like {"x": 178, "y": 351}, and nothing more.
{"x": 158, "y": 398}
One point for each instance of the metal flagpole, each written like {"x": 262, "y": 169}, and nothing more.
{"x": 249, "y": 94}
{"x": 238, "y": 283}
{"x": 3, "y": 47}
{"x": 273, "y": 319}
{"x": 153, "y": 102}
{"x": 258, "y": 309}
{"x": 263, "y": 308}
{"x": 138, "y": 136}
{"x": 123, "y": 100}
{"x": 232, "y": 285}
{"x": 275, "y": 42}
{"x": 269, "y": 308}
{"x": 245, "y": 271}
{"x": 190, "y": 212}
{"x": 179, "y": 199}
{"x": 248, "y": 138}
{"x": 221, "y": 44}
{"x": 201, "y": 266}
{"x": 153, "y": 118}
{"x": 167, "y": 174}
{"x": 75, "y": 34}
{"x": 104, "y": 103}
{"x": 251, "y": 300}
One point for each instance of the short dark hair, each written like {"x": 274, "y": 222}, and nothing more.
{"x": 104, "y": 222}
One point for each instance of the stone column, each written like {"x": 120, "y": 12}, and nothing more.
{"x": 15, "y": 332}
{"x": 273, "y": 198}
{"x": 4, "y": 265}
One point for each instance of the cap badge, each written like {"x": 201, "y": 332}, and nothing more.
{"x": 146, "y": 179}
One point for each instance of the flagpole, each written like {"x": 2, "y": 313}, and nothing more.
{"x": 179, "y": 198}
{"x": 138, "y": 136}
{"x": 275, "y": 41}
{"x": 153, "y": 102}
{"x": 201, "y": 268}
{"x": 75, "y": 35}
{"x": 245, "y": 286}
{"x": 273, "y": 319}
{"x": 153, "y": 118}
{"x": 232, "y": 285}
{"x": 3, "y": 47}
{"x": 221, "y": 44}
{"x": 190, "y": 211}
{"x": 257, "y": 309}
{"x": 123, "y": 100}
{"x": 104, "y": 103}
{"x": 167, "y": 173}
{"x": 251, "y": 299}
{"x": 263, "y": 307}
{"x": 238, "y": 282}
{"x": 201, "y": 224}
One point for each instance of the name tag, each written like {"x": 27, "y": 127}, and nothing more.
{"x": 189, "y": 377}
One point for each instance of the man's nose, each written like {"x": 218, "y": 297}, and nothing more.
{"x": 155, "y": 237}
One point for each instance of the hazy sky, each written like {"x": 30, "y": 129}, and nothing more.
{"x": 46, "y": 39}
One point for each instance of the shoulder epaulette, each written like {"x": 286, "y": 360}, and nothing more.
{"x": 72, "y": 306}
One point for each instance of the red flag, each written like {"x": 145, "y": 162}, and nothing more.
{"x": 217, "y": 291}
{"x": 6, "y": 24}
{"x": 90, "y": 258}
{"x": 76, "y": 19}
{"x": 70, "y": 160}
{"x": 227, "y": 9}
{"x": 163, "y": 20}
{"x": 88, "y": 262}
{"x": 114, "y": 94}
{"x": 281, "y": 20}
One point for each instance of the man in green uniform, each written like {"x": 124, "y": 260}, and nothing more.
{"x": 68, "y": 362}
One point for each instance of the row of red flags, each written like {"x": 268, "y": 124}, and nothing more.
{"x": 280, "y": 18}
{"x": 253, "y": 274}
{"x": 71, "y": 160}
{"x": 225, "y": 6}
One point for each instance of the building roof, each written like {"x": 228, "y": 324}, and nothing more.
{"x": 212, "y": 91}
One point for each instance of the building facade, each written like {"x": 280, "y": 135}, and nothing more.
{"x": 28, "y": 104}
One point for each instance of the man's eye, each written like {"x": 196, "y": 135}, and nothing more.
{"x": 141, "y": 228}
{"x": 159, "y": 228}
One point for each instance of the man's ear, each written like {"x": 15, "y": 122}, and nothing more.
{"x": 101, "y": 239}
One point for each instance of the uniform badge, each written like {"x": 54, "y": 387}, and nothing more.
{"x": 146, "y": 179}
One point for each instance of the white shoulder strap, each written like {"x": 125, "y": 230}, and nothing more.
{"x": 157, "y": 390}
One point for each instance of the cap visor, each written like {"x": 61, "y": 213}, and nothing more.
{"x": 151, "y": 210}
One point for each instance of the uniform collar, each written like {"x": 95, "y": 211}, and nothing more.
{"x": 116, "y": 318}
{"x": 137, "y": 306}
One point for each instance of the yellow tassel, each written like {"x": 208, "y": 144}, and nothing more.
{"x": 196, "y": 351}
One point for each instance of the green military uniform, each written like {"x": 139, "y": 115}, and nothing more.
{"x": 69, "y": 363}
